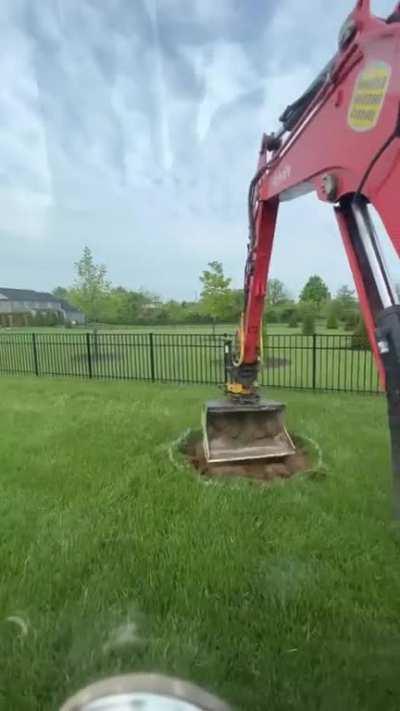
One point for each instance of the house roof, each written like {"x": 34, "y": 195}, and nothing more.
{"x": 30, "y": 295}
{"x": 26, "y": 295}
{"x": 68, "y": 307}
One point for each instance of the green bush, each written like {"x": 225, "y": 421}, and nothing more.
{"x": 351, "y": 321}
{"x": 18, "y": 319}
{"x": 308, "y": 308}
{"x": 271, "y": 316}
{"x": 308, "y": 328}
{"x": 46, "y": 318}
{"x": 53, "y": 318}
{"x": 360, "y": 340}
{"x": 287, "y": 313}
{"x": 28, "y": 319}
{"x": 294, "y": 320}
{"x": 38, "y": 319}
{"x": 332, "y": 322}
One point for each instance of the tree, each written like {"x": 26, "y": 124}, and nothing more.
{"x": 351, "y": 320}
{"x": 308, "y": 324}
{"x": 277, "y": 292}
{"x": 271, "y": 316}
{"x": 345, "y": 299}
{"x": 359, "y": 339}
{"x": 90, "y": 287}
{"x": 237, "y": 304}
{"x": 345, "y": 302}
{"x": 287, "y": 311}
{"x": 60, "y": 292}
{"x": 217, "y": 298}
{"x": 315, "y": 291}
{"x": 293, "y": 320}
{"x": 124, "y": 306}
{"x": 345, "y": 296}
{"x": 332, "y": 322}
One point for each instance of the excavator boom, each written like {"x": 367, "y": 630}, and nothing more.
{"x": 341, "y": 141}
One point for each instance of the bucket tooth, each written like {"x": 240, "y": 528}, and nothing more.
{"x": 240, "y": 431}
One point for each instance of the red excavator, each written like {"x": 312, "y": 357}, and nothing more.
{"x": 340, "y": 139}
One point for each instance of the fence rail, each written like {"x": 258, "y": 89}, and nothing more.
{"x": 316, "y": 362}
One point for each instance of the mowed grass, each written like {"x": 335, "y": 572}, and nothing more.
{"x": 200, "y": 328}
{"x": 116, "y": 560}
{"x": 326, "y": 362}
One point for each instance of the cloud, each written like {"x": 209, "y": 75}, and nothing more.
{"x": 134, "y": 127}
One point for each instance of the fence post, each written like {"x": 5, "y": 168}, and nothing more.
{"x": 227, "y": 356}
{"x": 89, "y": 355}
{"x": 152, "y": 372}
{"x": 35, "y": 354}
{"x": 314, "y": 361}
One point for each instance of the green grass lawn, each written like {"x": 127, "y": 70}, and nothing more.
{"x": 277, "y": 597}
{"x": 221, "y": 328}
{"x": 327, "y": 362}
{"x": 334, "y": 365}
{"x": 281, "y": 328}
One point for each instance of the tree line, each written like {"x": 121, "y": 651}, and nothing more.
{"x": 219, "y": 302}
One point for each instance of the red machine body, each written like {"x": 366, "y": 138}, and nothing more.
{"x": 341, "y": 140}
{"x": 323, "y": 144}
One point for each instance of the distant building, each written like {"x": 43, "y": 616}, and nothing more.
{"x": 20, "y": 301}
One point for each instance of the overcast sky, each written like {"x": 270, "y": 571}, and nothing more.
{"x": 133, "y": 126}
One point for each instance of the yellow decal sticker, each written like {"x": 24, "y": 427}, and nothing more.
{"x": 368, "y": 96}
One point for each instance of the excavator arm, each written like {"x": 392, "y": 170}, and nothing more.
{"x": 341, "y": 141}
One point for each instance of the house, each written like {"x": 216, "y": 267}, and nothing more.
{"x": 72, "y": 313}
{"x": 26, "y": 301}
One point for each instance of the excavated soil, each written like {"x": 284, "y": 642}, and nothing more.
{"x": 261, "y": 470}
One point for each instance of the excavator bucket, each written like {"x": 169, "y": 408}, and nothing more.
{"x": 238, "y": 432}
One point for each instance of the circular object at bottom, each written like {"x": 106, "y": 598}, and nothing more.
{"x": 143, "y": 692}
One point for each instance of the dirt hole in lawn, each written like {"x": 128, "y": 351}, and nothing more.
{"x": 261, "y": 470}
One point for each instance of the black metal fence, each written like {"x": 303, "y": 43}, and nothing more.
{"x": 290, "y": 361}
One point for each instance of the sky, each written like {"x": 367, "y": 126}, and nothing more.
{"x": 133, "y": 127}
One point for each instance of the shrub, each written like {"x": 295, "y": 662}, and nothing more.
{"x": 332, "y": 322}
{"x": 360, "y": 340}
{"x": 304, "y": 309}
{"x": 28, "y": 319}
{"x": 351, "y": 321}
{"x": 308, "y": 324}
{"x": 271, "y": 316}
{"x": 53, "y": 318}
{"x": 46, "y": 318}
{"x": 294, "y": 320}
{"x": 38, "y": 319}
{"x": 18, "y": 319}
{"x": 287, "y": 313}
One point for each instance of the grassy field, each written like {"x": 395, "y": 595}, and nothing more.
{"x": 220, "y": 328}
{"x": 280, "y": 597}
{"x": 328, "y": 362}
